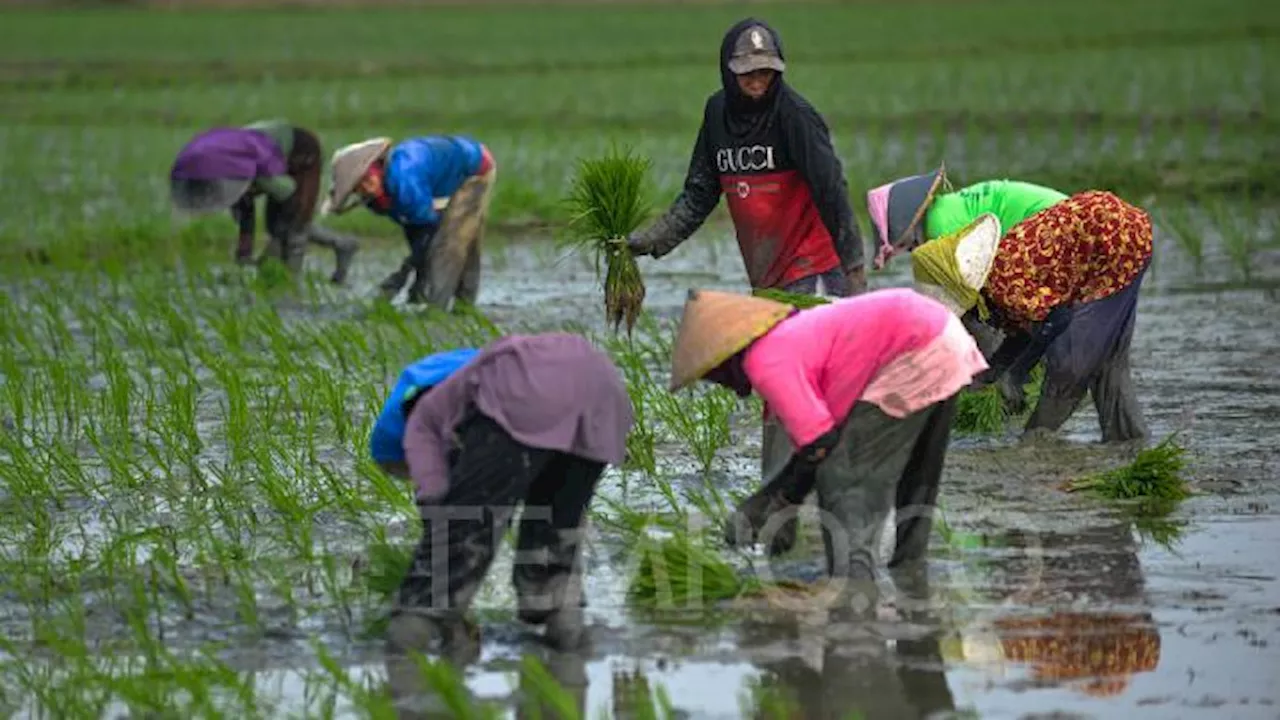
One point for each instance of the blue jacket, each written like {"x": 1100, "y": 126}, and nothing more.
{"x": 386, "y": 442}
{"x": 424, "y": 168}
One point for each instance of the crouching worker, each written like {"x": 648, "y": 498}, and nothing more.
{"x": 228, "y": 168}
{"x": 529, "y": 419}
{"x": 1060, "y": 278}
{"x": 433, "y": 187}
{"x": 864, "y": 387}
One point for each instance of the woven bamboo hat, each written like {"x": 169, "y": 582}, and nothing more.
{"x": 975, "y": 249}
{"x": 716, "y": 326}
{"x": 349, "y": 164}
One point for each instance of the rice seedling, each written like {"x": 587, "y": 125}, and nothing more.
{"x": 1177, "y": 221}
{"x": 983, "y": 411}
{"x": 609, "y": 200}
{"x": 799, "y": 300}
{"x": 1152, "y": 483}
{"x": 683, "y": 571}
{"x": 699, "y": 418}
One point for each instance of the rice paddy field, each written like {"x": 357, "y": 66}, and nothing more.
{"x": 189, "y": 524}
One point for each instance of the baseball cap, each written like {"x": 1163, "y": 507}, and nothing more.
{"x": 755, "y": 50}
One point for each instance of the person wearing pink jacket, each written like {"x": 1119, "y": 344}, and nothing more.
{"x": 865, "y": 388}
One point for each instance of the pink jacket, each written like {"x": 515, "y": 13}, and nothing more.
{"x": 896, "y": 348}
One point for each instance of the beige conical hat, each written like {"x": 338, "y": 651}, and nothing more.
{"x": 977, "y": 250}
{"x": 349, "y": 164}
{"x": 716, "y": 325}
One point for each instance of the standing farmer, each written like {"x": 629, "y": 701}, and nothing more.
{"x": 769, "y": 151}
{"x": 226, "y": 168}
{"x": 865, "y": 388}
{"x": 412, "y": 183}
{"x": 1058, "y": 275}
{"x": 532, "y": 419}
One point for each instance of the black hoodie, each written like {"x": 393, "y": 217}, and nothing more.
{"x": 773, "y": 160}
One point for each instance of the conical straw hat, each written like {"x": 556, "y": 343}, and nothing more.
{"x": 716, "y": 326}
{"x": 975, "y": 248}
{"x": 349, "y": 164}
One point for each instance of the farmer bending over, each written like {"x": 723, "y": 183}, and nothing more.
{"x": 532, "y": 419}
{"x": 865, "y": 388}
{"x": 386, "y": 442}
{"x": 226, "y": 168}
{"x": 769, "y": 151}
{"x": 412, "y": 183}
{"x": 1060, "y": 278}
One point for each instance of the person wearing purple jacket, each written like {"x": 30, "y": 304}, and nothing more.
{"x": 530, "y": 419}
{"x": 229, "y": 167}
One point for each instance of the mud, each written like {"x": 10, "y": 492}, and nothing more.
{"x": 1039, "y": 602}
{"x": 1049, "y": 602}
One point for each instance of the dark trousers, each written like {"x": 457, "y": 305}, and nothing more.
{"x": 882, "y": 463}
{"x": 1092, "y": 355}
{"x": 289, "y": 222}
{"x": 490, "y": 474}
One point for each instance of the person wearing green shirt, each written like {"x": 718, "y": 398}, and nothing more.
{"x": 1057, "y": 274}
{"x": 229, "y": 167}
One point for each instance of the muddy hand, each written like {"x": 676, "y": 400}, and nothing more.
{"x": 1015, "y": 398}
{"x": 748, "y": 518}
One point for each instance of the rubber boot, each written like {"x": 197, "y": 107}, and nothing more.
{"x": 548, "y": 584}
{"x": 391, "y": 286}
{"x": 344, "y": 249}
{"x": 411, "y": 634}
{"x": 420, "y": 288}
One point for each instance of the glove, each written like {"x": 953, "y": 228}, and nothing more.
{"x": 1015, "y": 398}
{"x": 638, "y": 244}
{"x": 811, "y": 455}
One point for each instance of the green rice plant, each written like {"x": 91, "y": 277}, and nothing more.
{"x": 799, "y": 300}
{"x": 1237, "y": 233}
{"x": 980, "y": 412}
{"x": 1153, "y": 482}
{"x": 608, "y": 201}
{"x": 683, "y": 569}
{"x": 767, "y": 698}
{"x": 700, "y": 419}
{"x": 1177, "y": 220}
{"x": 542, "y": 695}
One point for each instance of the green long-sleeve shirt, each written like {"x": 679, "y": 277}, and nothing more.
{"x": 1009, "y": 200}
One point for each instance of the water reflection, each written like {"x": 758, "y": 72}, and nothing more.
{"x": 1067, "y": 610}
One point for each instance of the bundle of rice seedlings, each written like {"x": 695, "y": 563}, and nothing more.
{"x": 982, "y": 411}
{"x": 608, "y": 201}
{"x": 1154, "y": 479}
{"x": 799, "y": 300}
{"x": 675, "y": 569}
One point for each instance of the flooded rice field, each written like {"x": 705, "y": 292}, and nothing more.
{"x": 189, "y": 522}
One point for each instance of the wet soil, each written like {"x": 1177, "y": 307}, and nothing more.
{"x": 1040, "y": 603}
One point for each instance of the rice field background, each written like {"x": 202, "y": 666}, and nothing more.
{"x": 188, "y": 524}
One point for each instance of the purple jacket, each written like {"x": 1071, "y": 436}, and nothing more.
{"x": 229, "y": 154}
{"x": 553, "y": 391}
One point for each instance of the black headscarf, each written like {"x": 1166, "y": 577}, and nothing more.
{"x": 743, "y": 116}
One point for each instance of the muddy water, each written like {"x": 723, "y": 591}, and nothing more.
{"x": 1042, "y": 602}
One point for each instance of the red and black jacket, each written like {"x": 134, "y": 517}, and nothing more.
{"x": 784, "y": 184}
